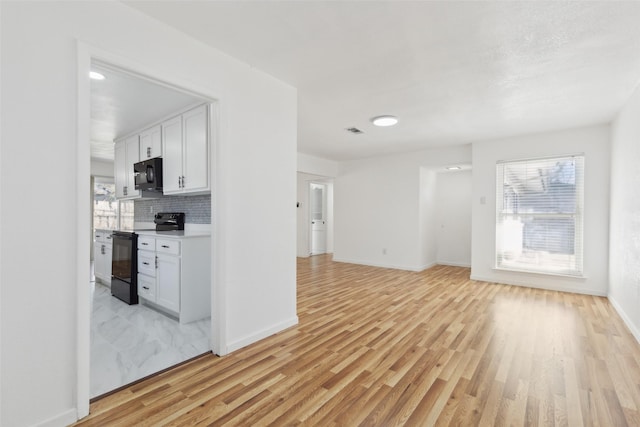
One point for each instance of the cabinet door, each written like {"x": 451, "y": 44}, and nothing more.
{"x": 195, "y": 150}
{"x": 172, "y": 159}
{"x": 108, "y": 255}
{"x": 98, "y": 260}
{"x": 133, "y": 156}
{"x": 151, "y": 143}
{"x": 120, "y": 168}
{"x": 168, "y": 282}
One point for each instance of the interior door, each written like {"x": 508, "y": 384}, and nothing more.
{"x": 318, "y": 213}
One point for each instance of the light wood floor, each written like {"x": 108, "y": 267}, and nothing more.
{"x": 382, "y": 347}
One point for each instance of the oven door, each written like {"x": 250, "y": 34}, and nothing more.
{"x": 124, "y": 267}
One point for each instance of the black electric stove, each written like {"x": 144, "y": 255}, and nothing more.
{"x": 124, "y": 263}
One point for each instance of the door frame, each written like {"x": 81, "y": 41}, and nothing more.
{"x": 310, "y": 215}
{"x": 87, "y": 53}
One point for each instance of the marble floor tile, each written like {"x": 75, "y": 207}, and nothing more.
{"x": 129, "y": 342}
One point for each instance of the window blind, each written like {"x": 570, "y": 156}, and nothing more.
{"x": 539, "y": 215}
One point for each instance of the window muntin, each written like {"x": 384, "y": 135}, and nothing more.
{"x": 539, "y": 215}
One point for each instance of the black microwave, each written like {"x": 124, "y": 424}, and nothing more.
{"x": 148, "y": 175}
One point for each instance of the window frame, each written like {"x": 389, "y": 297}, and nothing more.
{"x": 578, "y": 217}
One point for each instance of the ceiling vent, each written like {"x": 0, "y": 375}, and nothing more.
{"x": 354, "y": 130}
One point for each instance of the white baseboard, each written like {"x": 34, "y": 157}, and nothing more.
{"x": 533, "y": 285}
{"x": 384, "y": 265}
{"x": 454, "y": 264}
{"x": 64, "y": 419}
{"x": 627, "y": 320}
{"x": 264, "y": 333}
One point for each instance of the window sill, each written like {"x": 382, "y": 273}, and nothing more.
{"x": 542, "y": 273}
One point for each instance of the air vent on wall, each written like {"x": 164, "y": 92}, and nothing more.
{"x": 354, "y": 130}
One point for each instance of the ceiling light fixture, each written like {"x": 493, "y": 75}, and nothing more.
{"x": 94, "y": 75}
{"x": 453, "y": 168}
{"x": 384, "y": 120}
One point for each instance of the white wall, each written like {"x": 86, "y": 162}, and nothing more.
{"x": 624, "y": 243}
{"x": 39, "y": 323}
{"x": 377, "y": 207}
{"x": 427, "y": 218}
{"x": 453, "y": 204}
{"x": 594, "y": 143}
{"x": 317, "y": 166}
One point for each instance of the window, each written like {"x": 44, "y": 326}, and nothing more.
{"x": 539, "y": 215}
{"x": 108, "y": 212}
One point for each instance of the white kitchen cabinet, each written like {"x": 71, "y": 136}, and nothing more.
{"x": 147, "y": 287}
{"x": 102, "y": 248}
{"x": 151, "y": 143}
{"x": 174, "y": 275}
{"x": 126, "y": 154}
{"x": 185, "y": 147}
{"x": 168, "y": 282}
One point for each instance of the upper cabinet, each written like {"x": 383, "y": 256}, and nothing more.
{"x": 183, "y": 143}
{"x": 185, "y": 164}
{"x": 126, "y": 154}
{"x": 151, "y": 143}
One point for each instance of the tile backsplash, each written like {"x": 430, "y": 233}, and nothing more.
{"x": 197, "y": 209}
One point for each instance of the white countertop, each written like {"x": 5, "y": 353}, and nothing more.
{"x": 182, "y": 234}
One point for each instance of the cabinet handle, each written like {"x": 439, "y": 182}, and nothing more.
{"x": 144, "y": 244}
{"x": 156, "y": 262}
{"x": 145, "y": 287}
{"x": 102, "y": 250}
{"x": 124, "y": 190}
{"x": 165, "y": 246}
{"x": 145, "y": 263}
{"x": 179, "y": 182}
{"x": 148, "y": 151}
{"x": 182, "y": 181}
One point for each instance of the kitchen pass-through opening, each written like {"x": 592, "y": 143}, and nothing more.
{"x": 129, "y": 341}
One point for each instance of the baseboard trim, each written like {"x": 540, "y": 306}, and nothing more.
{"x": 384, "y": 265}
{"x": 64, "y": 419}
{"x": 626, "y": 319}
{"x": 264, "y": 333}
{"x": 533, "y": 285}
{"x": 454, "y": 264}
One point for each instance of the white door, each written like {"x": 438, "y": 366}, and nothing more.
{"x": 317, "y": 198}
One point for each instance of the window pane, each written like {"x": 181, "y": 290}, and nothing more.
{"x": 538, "y": 215}
{"x": 105, "y": 206}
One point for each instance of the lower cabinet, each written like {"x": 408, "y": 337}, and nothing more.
{"x": 168, "y": 282}
{"x": 102, "y": 256}
{"x": 174, "y": 275}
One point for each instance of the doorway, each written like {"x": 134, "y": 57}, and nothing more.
{"x": 318, "y": 218}
{"x": 87, "y": 56}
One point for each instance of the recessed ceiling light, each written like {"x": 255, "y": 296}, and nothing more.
{"x": 96, "y": 75}
{"x": 384, "y": 120}
{"x": 453, "y": 168}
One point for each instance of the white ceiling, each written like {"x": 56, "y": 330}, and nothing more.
{"x": 123, "y": 103}
{"x": 453, "y": 72}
